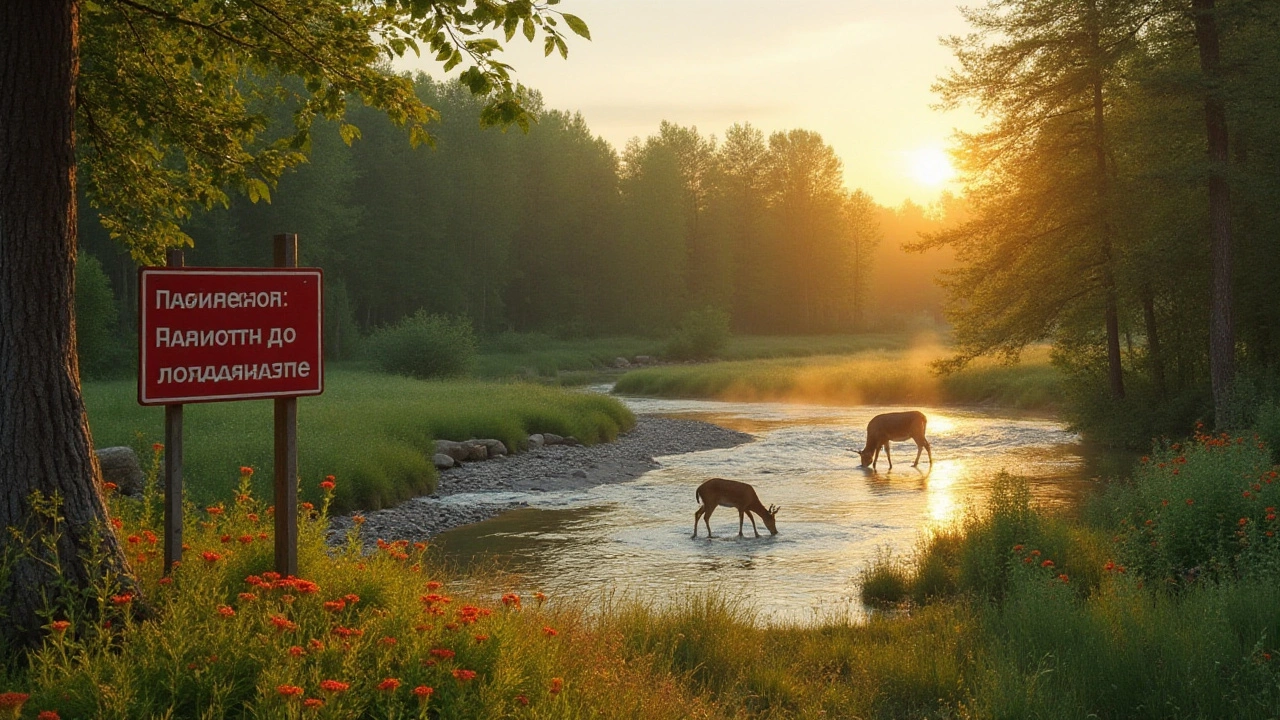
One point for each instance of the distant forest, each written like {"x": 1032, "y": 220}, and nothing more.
{"x": 557, "y": 231}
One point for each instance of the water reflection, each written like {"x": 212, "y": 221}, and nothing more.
{"x": 634, "y": 537}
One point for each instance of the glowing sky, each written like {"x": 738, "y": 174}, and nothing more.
{"x": 856, "y": 71}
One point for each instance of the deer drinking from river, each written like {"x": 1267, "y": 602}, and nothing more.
{"x": 897, "y": 426}
{"x": 718, "y": 492}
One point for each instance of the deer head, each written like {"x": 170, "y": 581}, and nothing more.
{"x": 769, "y": 519}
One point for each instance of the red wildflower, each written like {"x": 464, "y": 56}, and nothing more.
{"x": 157, "y": 447}
{"x": 59, "y": 626}
{"x": 246, "y": 539}
{"x": 522, "y": 699}
{"x": 246, "y": 471}
{"x": 253, "y": 517}
{"x": 270, "y": 576}
{"x": 389, "y": 685}
{"x": 226, "y": 611}
{"x": 333, "y": 686}
{"x": 289, "y": 690}
{"x": 327, "y": 485}
{"x": 434, "y": 585}
{"x": 133, "y": 539}
{"x": 124, "y": 599}
{"x": 117, "y": 523}
{"x": 335, "y": 605}
{"x": 1190, "y": 502}
{"x": 481, "y": 638}
{"x": 110, "y": 486}
{"x": 442, "y": 653}
{"x": 423, "y": 692}
{"x": 225, "y": 539}
{"x": 1047, "y": 563}
{"x": 388, "y": 641}
{"x": 540, "y": 597}
{"x": 313, "y": 703}
{"x": 550, "y": 631}
{"x": 283, "y": 623}
{"x": 1063, "y": 577}
{"x": 357, "y": 519}
{"x": 315, "y": 644}
{"x": 351, "y": 598}
{"x": 149, "y": 536}
{"x": 48, "y": 715}
{"x": 557, "y": 684}
{"x": 464, "y": 675}
{"x": 13, "y": 701}
{"x": 1244, "y": 521}
{"x": 307, "y": 506}
{"x": 210, "y": 556}
{"x": 511, "y": 600}
{"x": 165, "y": 580}
{"x": 215, "y": 510}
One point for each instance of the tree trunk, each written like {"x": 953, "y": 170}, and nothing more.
{"x": 1102, "y": 185}
{"x": 44, "y": 435}
{"x": 1222, "y": 342}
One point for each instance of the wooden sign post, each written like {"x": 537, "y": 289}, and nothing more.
{"x": 173, "y": 464}
{"x": 217, "y": 334}
{"x": 286, "y": 448}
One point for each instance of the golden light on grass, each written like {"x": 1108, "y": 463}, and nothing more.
{"x": 930, "y": 166}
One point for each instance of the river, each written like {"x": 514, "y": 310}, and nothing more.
{"x": 634, "y": 537}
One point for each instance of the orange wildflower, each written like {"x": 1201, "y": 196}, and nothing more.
{"x": 334, "y": 686}
{"x": 464, "y": 675}
{"x": 389, "y": 685}
{"x": 289, "y": 690}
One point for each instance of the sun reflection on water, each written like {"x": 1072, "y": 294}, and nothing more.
{"x": 943, "y": 504}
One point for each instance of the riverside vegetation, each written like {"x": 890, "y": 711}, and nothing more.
{"x": 1161, "y": 601}
{"x": 375, "y": 431}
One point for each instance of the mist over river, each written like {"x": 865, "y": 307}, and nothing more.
{"x": 634, "y": 537}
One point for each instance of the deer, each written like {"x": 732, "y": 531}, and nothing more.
{"x": 718, "y": 492}
{"x": 896, "y": 426}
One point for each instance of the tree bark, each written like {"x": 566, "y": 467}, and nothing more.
{"x": 44, "y": 436}
{"x": 1222, "y": 341}
{"x": 1102, "y": 186}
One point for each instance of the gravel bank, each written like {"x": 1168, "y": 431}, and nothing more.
{"x": 551, "y": 468}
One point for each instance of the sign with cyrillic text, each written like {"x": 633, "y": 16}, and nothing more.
{"x": 209, "y": 334}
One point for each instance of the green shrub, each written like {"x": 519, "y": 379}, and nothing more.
{"x": 885, "y": 581}
{"x": 702, "y": 334}
{"x": 102, "y": 354}
{"x": 425, "y": 346}
{"x": 1201, "y": 508}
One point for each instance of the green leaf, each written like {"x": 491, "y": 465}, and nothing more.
{"x": 349, "y": 133}
{"x": 576, "y": 25}
{"x": 257, "y": 190}
{"x": 548, "y": 46}
{"x": 528, "y": 30}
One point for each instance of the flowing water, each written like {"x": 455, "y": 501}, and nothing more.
{"x": 634, "y": 537}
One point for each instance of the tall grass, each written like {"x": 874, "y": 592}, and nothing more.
{"x": 376, "y": 432}
{"x": 533, "y": 355}
{"x": 872, "y": 376}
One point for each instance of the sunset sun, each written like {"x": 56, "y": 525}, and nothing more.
{"x": 930, "y": 166}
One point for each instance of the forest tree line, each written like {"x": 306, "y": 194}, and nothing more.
{"x": 1125, "y": 203}
{"x": 556, "y": 231}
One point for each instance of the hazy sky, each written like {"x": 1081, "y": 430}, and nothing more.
{"x": 856, "y": 71}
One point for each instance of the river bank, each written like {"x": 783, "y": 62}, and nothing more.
{"x": 491, "y": 485}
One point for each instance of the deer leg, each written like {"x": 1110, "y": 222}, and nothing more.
{"x": 929, "y": 449}
{"x": 919, "y": 449}
{"x": 740, "y": 513}
{"x": 753, "y": 523}
{"x": 698, "y": 516}
{"x": 887, "y": 456}
{"x": 706, "y": 517}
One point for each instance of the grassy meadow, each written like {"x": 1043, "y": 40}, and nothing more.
{"x": 875, "y": 374}
{"x": 1162, "y": 602}
{"x": 375, "y": 432}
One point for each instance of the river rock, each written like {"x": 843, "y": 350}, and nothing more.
{"x": 571, "y": 440}
{"x": 579, "y": 473}
{"x": 552, "y": 439}
{"x": 496, "y": 448}
{"x": 120, "y": 466}
{"x": 536, "y": 441}
{"x": 455, "y": 450}
{"x": 442, "y": 461}
{"x": 643, "y": 359}
{"x": 476, "y": 450}
{"x": 621, "y": 362}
